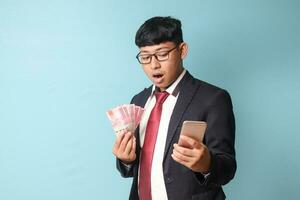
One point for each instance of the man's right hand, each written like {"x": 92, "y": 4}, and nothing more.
{"x": 124, "y": 147}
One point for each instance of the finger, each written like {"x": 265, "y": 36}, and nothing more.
{"x": 175, "y": 158}
{"x": 201, "y": 145}
{"x": 133, "y": 146}
{"x": 132, "y": 152}
{"x": 182, "y": 157}
{"x": 128, "y": 146}
{"x": 124, "y": 141}
{"x": 118, "y": 141}
{"x": 192, "y": 142}
{"x": 184, "y": 151}
{"x": 179, "y": 160}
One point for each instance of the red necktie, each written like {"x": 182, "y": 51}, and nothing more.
{"x": 149, "y": 145}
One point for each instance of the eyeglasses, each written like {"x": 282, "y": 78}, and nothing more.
{"x": 160, "y": 56}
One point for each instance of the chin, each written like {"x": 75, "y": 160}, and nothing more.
{"x": 162, "y": 87}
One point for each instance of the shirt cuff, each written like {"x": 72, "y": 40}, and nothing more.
{"x": 206, "y": 175}
{"x": 128, "y": 166}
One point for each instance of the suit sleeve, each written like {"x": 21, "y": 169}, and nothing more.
{"x": 219, "y": 138}
{"x": 126, "y": 171}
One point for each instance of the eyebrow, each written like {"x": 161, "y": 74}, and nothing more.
{"x": 156, "y": 50}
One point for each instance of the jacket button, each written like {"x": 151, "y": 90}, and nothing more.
{"x": 169, "y": 180}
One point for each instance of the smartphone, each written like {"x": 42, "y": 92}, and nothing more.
{"x": 193, "y": 129}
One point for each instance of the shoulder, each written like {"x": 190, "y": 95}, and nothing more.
{"x": 212, "y": 94}
{"x": 139, "y": 99}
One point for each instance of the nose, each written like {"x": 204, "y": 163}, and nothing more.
{"x": 155, "y": 64}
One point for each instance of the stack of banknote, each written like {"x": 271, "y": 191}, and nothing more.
{"x": 125, "y": 117}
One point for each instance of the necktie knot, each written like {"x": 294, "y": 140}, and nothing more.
{"x": 161, "y": 97}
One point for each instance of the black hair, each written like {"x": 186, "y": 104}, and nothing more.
{"x": 157, "y": 30}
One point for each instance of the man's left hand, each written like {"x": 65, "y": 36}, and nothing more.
{"x": 193, "y": 154}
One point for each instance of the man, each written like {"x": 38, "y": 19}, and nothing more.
{"x": 162, "y": 169}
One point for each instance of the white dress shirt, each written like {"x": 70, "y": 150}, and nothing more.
{"x": 158, "y": 189}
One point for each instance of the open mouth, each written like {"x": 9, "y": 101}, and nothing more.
{"x": 158, "y": 78}
{"x": 157, "y": 75}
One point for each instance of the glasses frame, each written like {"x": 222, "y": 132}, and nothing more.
{"x": 154, "y": 54}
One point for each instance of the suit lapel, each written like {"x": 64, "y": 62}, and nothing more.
{"x": 187, "y": 91}
{"x": 141, "y": 101}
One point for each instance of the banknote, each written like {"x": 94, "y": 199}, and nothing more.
{"x": 125, "y": 117}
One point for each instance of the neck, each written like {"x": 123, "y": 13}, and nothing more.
{"x": 177, "y": 75}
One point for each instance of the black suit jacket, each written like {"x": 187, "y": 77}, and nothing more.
{"x": 199, "y": 101}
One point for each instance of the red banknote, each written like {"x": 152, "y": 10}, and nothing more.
{"x": 125, "y": 117}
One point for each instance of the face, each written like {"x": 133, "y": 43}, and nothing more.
{"x": 164, "y": 73}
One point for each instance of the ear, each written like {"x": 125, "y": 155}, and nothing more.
{"x": 183, "y": 49}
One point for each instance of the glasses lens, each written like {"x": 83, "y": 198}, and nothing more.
{"x": 144, "y": 59}
{"x": 162, "y": 56}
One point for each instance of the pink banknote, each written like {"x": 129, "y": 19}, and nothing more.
{"x": 125, "y": 117}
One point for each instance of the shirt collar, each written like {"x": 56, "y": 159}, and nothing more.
{"x": 172, "y": 89}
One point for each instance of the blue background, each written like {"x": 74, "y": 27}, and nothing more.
{"x": 64, "y": 63}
